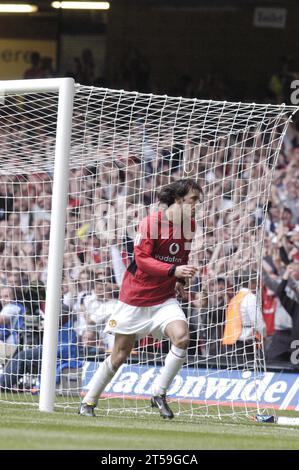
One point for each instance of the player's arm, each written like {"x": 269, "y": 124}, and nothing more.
{"x": 143, "y": 250}
{"x": 146, "y": 262}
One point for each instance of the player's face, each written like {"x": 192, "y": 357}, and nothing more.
{"x": 189, "y": 203}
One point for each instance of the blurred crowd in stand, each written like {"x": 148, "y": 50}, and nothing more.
{"x": 96, "y": 254}
{"x": 135, "y": 74}
{"x": 40, "y": 67}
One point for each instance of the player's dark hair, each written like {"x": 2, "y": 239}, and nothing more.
{"x": 168, "y": 194}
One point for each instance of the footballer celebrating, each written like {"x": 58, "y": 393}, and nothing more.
{"x": 147, "y": 303}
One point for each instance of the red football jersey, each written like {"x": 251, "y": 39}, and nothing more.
{"x": 159, "y": 245}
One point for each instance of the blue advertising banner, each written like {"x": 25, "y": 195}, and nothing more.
{"x": 270, "y": 389}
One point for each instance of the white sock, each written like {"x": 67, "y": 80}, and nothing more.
{"x": 101, "y": 379}
{"x": 173, "y": 363}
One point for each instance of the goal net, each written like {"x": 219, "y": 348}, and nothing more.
{"x": 125, "y": 146}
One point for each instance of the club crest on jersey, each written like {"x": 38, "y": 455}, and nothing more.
{"x": 112, "y": 323}
{"x": 174, "y": 248}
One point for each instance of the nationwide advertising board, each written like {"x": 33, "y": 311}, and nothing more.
{"x": 224, "y": 387}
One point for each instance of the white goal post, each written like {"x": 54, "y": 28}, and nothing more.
{"x": 87, "y": 163}
{"x": 64, "y": 87}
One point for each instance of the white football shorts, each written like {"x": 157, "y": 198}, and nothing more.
{"x": 143, "y": 321}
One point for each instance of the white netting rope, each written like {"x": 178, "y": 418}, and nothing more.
{"x": 125, "y": 146}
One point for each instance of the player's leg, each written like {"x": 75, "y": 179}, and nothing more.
{"x": 178, "y": 333}
{"x": 169, "y": 320}
{"x": 122, "y": 347}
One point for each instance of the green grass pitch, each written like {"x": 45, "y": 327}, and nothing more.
{"x": 24, "y": 427}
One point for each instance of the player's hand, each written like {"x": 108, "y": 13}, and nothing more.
{"x": 185, "y": 271}
{"x": 181, "y": 291}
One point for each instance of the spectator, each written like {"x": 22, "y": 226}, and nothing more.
{"x": 244, "y": 325}
{"x": 6, "y": 199}
{"x": 211, "y": 314}
{"x": 291, "y": 305}
{"x": 136, "y": 71}
{"x": 46, "y": 68}
{"x": 11, "y": 316}
{"x": 29, "y": 360}
{"x": 88, "y": 68}
{"x": 278, "y": 321}
{"x": 35, "y": 70}
{"x": 279, "y": 84}
{"x": 92, "y": 344}
{"x": 85, "y": 287}
{"x": 98, "y": 305}
{"x": 76, "y": 70}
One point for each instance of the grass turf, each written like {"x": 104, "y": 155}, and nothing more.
{"x": 24, "y": 427}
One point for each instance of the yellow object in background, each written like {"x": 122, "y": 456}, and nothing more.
{"x": 82, "y": 231}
